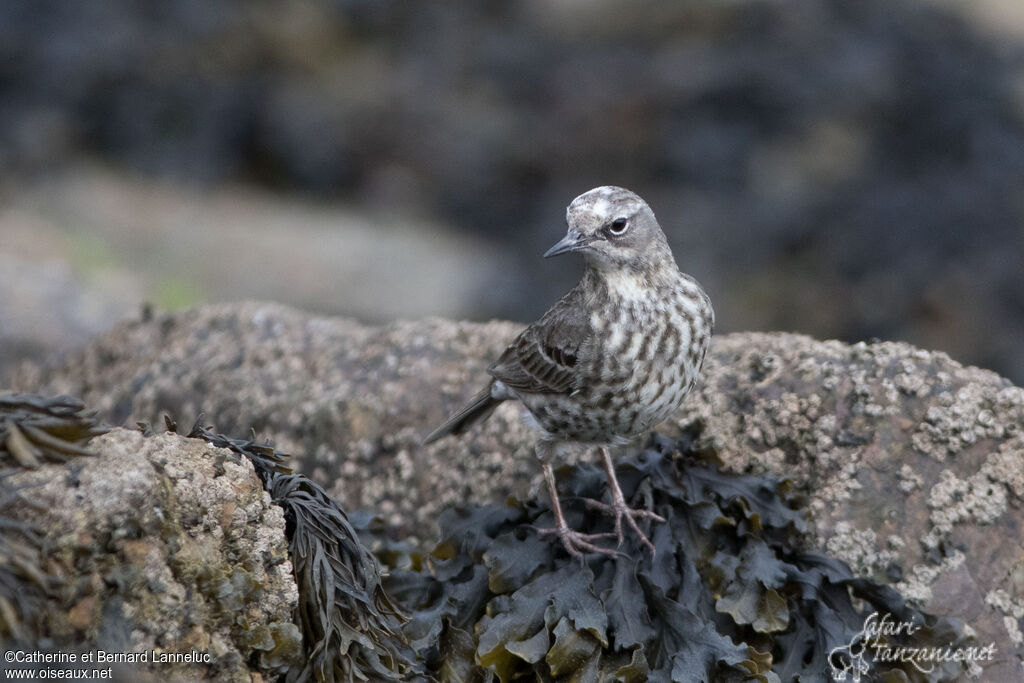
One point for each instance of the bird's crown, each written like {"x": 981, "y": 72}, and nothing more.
{"x": 606, "y": 203}
{"x": 614, "y": 228}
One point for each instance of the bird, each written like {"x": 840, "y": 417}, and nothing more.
{"x": 610, "y": 360}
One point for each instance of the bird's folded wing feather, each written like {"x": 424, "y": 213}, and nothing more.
{"x": 544, "y": 358}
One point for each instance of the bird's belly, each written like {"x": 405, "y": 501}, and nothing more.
{"x": 614, "y": 411}
{"x": 641, "y": 362}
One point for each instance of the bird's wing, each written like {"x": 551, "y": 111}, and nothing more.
{"x": 543, "y": 359}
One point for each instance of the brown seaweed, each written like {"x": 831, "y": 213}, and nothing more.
{"x": 34, "y": 429}
{"x": 730, "y": 595}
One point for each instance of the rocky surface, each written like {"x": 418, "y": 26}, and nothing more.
{"x": 912, "y": 465}
{"x": 165, "y": 545}
{"x": 349, "y": 401}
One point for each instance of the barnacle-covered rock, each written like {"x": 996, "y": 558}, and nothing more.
{"x": 350, "y": 402}
{"x": 165, "y": 545}
{"x": 912, "y": 465}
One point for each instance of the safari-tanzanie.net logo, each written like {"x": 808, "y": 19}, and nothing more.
{"x": 877, "y": 645}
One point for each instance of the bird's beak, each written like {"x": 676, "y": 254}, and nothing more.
{"x": 571, "y": 242}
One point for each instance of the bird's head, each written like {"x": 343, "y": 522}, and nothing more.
{"x": 613, "y": 229}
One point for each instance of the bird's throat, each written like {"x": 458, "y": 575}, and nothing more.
{"x": 628, "y": 284}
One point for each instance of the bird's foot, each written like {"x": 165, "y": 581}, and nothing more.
{"x": 577, "y": 543}
{"x": 620, "y": 510}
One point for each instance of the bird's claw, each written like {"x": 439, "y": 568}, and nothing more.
{"x": 577, "y": 543}
{"x": 619, "y": 510}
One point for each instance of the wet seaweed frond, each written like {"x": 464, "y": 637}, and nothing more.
{"x": 33, "y": 430}
{"x": 354, "y": 626}
{"x": 36, "y": 429}
{"x": 24, "y": 584}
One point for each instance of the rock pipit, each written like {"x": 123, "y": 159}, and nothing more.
{"x": 614, "y": 357}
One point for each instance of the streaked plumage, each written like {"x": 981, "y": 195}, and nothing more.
{"x": 616, "y": 355}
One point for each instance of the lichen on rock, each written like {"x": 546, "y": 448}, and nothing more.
{"x": 167, "y": 545}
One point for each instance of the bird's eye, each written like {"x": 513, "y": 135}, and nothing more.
{"x": 618, "y": 226}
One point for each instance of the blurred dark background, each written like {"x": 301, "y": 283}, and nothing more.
{"x": 848, "y": 169}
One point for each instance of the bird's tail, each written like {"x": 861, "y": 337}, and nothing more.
{"x": 479, "y": 408}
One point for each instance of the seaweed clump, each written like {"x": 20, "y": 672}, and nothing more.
{"x": 351, "y": 629}
{"x": 33, "y": 429}
{"x": 36, "y": 428}
{"x": 729, "y": 595}
{"x": 24, "y": 583}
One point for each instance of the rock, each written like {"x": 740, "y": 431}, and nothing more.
{"x": 167, "y": 546}
{"x": 350, "y": 402}
{"x": 912, "y": 465}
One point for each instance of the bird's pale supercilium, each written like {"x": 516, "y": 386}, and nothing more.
{"x": 611, "y": 359}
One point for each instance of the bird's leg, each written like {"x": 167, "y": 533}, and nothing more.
{"x": 574, "y": 542}
{"x": 618, "y": 508}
